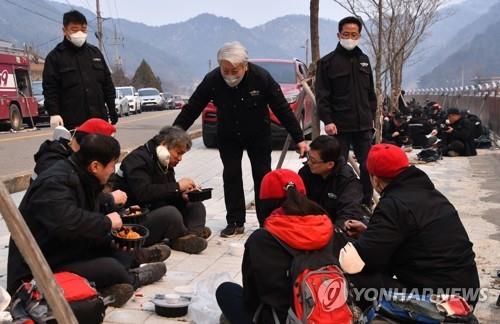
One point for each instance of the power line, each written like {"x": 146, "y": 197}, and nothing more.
{"x": 33, "y": 12}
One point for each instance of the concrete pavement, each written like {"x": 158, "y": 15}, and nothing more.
{"x": 471, "y": 184}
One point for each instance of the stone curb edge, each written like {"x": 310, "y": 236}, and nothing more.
{"x": 20, "y": 181}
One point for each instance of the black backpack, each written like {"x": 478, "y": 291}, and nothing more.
{"x": 477, "y": 125}
{"x": 429, "y": 155}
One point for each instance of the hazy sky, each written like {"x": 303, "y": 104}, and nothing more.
{"x": 247, "y": 13}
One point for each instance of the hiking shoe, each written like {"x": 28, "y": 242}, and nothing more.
{"x": 189, "y": 243}
{"x": 452, "y": 154}
{"x": 121, "y": 293}
{"x": 149, "y": 273}
{"x": 153, "y": 253}
{"x": 204, "y": 233}
{"x": 232, "y": 230}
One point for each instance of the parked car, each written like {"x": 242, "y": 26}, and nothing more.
{"x": 121, "y": 104}
{"x": 169, "y": 100}
{"x": 151, "y": 99}
{"x": 43, "y": 114}
{"x": 179, "y": 101}
{"x": 132, "y": 96}
{"x": 288, "y": 74}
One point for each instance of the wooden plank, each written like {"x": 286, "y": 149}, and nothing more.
{"x": 33, "y": 256}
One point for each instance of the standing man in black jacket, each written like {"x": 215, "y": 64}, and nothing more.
{"x": 242, "y": 93}
{"x": 332, "y": 183}
{"x": 346, "y": 98}
{"x": 77, "y": 84}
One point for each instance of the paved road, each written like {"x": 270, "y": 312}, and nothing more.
{"x": 17, "y": 149}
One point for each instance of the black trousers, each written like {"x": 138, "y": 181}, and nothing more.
{"x": 231, "y": 152}
{"x": 104, "y": 271}
{"x": 230, "y": 299}
{"x": 171, "y": 222}
{"x": 361, "y": 143}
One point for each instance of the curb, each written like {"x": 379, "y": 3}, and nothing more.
{"x": 20, "y": 181}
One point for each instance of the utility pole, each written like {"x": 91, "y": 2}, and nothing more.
{"x": 306, "y": 46}
{"x": 99, "y": 25}
{"x": 209, "y": 65}
{"x": 116, "y": 42}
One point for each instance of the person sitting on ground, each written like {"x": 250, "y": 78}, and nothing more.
{"x": 332, "y": 183}
{"x": 414, "y": 234}
{"x": 61, "y": 210}
{"x": 64, "y": 144}
{"x": 457, "y": 137}
{"x": 397, "y": 132}
{"x": 147, "y": 176}
{"x": 421, "y": 133}
{"x": 297, "y": 221}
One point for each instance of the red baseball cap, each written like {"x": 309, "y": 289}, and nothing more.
{"x": 386, "y": 161}
{"x": 97, "y": 126}
{"x": 275, "y": 184}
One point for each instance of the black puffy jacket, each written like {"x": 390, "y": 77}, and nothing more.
{"x": 345, "y": 92}
{"x": 77, "y": 84}
{"x": 146, "y": 182}
{"x": 61, "y": 209}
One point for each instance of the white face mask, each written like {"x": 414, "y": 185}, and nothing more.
{"x": 78, "y": 39}
{"x": 163, "y": 155}
{"x": 233, "y": 81}
{"x": 349, "y": 44}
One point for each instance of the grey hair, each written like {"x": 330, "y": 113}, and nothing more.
{"x": 233, "y": 52}
{"x": 173, "y": 136}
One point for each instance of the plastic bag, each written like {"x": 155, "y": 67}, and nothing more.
{"x": 4, "y": 302}
{"x": 204, "y": 308}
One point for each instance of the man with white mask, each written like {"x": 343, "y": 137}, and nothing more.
{"x": 77, "y": 83}
{"x": 346, "y": 97}
{"x": 243, "y": 92}
{"x": 147, "y": 176}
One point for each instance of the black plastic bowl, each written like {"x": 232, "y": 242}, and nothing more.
{"x": 131, "y": 243}
{"x": 171, "y": 311}
{"x": 200, "y": 195}
{"x": 134, "y": 219}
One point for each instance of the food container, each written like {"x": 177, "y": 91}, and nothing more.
{"x": 130, "y": 243}
{"x": 170, "y": 305}
{"x": 236, "y": 249}
{"x": 134, "y": 216}
{"x": 200, "y": 195}
{"x": 185, "y": 291}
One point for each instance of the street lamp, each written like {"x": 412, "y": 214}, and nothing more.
{"x": 306, "y": 46}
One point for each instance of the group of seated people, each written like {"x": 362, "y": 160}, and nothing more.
{"x": 414, "y": 239}
{"x": 450, "y": 131}
{"x": 75, "y": 200}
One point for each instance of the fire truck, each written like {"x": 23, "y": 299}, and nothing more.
{"x": 17, "y": 104}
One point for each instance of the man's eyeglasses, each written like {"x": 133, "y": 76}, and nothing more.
{"x": 346, "y": 35}
{"x": 312, "y": 160}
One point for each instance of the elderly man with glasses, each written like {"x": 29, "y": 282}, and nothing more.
{"x": 331, "y": 182}
{"x": 346, "y": 98}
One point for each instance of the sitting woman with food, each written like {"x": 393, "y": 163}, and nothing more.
{"x": 147, "y": 176}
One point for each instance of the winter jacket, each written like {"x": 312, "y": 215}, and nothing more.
{"x": 403, "y": 131}
{"x": 266, "y": 263}
{"x": 242, "y": 111}
{"x": 77, "y": 84}
{"x": 61, "y": 209}
{"x": 419, "y": 127}
{"x": 49, "y": 153}
{"x": 146, "y": 182}
{"x": 340, "y": 193}
{"x": 345, "y": 92}
{"x": 462, "y": 131}
{"x": 415, "y": 233}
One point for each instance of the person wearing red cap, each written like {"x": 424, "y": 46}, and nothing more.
{"x": 415, "y": 234}
{"x": 298, "y": 222}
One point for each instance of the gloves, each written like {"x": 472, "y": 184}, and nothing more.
{"x": 55, "y": 121}
{"x": 113, "y": 117}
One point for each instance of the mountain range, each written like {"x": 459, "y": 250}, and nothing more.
{"x": 465, "y": 38}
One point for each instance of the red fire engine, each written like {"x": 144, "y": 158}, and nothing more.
{"x": 17, "y": 104}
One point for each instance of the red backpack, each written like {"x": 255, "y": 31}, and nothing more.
{"x": 320, "y": 289}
